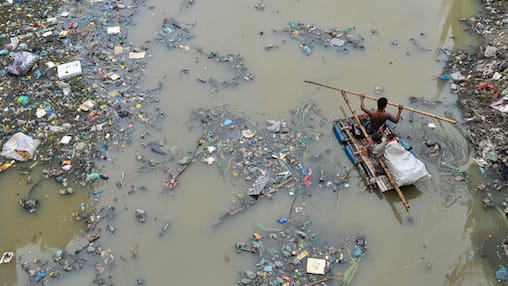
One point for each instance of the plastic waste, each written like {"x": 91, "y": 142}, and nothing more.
{"x": 502, "y": 274}
{"x": 6, "y": 165}
{"x": 306, "y": 49}
{"x": 282, "y": 220}
{"x": 227, "y": 122}
{"x": 20, "y": 147}
{"x": 93, "y": 177}
{"x": 445, "y": 77}
{"x": 23, "y": 62}
{"x": 357, "y": 252}
{"x": 6, "y": 257}
{"x": 39, "y": 275}
{"x": 23, "y": 99}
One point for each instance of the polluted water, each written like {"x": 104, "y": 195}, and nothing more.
{"x": 180, "y": 145}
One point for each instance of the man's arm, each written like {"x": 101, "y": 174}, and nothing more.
{"x": 396, "y": 118}
{"x": 362, "y": 106}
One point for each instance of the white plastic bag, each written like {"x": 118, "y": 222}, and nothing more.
{"x": 406, "y": 168}
{"x": 20, "y": 147}
{"x": 23, "y": 62}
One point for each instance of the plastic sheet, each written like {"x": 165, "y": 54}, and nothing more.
{"x": 23, "y": 62}
{"x": 20, "y": 147}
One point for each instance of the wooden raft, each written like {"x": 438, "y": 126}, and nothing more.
{"x": 366, "y": 164}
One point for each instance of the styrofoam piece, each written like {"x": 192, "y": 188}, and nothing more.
{"x": 316, "y": 266}
{"x": 69, "y": 70}
{"x": 114, "y": 30}
{"x": 66, "y": 139}
{"x": 136, "y": 55}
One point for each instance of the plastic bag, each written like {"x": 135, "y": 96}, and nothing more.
{"x": 20, "y": 147}
{"x": 23, "y": 62}
{"x": 406, "y": 168}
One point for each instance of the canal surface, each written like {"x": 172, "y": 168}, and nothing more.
{"x": 433, "y": 244}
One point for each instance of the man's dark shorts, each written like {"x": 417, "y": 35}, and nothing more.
{"x": 367, "y": 125}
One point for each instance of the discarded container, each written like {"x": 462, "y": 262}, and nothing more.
{"x": 302, "y": 255}
{"x": 69, "y": 70}
{"x": 306, "y": 49}
{"x": 282, "y": 220}
{"x": 66, "y": 139}
{"x": 39, "y": 275}
{"x": 136, "y": 55}
{"x": 6, "y": 165}
{"x": 227, "y": 122}
{"x": 316, "y": 266}
{"x": 164, "y": 229}
{"x": 357, "y": 251}
{"x": 113, "y": 30}
{"x": 23, "y": 99}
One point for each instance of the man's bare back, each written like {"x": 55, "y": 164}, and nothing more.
{"x": 378, "y": 117}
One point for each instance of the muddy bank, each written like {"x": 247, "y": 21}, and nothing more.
{"x": 479, "y": 79}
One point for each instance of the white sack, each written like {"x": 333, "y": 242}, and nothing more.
{"x": 406, "y": 168}
{"x": 20, "y": 147}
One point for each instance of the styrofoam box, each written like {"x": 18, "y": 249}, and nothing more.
{"x": 68, "y": 70}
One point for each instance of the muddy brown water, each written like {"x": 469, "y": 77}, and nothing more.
{"x": 434, "y": 244}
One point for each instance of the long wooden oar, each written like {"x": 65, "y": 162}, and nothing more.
{"x": 379, "y": 159}
{"x": 390, "y": 103}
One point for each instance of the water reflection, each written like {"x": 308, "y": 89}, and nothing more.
{"x": 393, "y": 200}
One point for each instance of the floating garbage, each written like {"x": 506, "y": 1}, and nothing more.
{"x": 337, "y": 39}
{"x": 69, "y": 70}
{"x": 29, "y": 204}
{"x": 23, "y": 62}
{"x": 140, "y": 215}
{"x": 20, "y": 147}
{"x": 306, "y": 49}
{"x": 6, "y": 257}
{"x": 164, "y": 229}
{"x": 266, "y": 159}
{"x": 296, "y": 256}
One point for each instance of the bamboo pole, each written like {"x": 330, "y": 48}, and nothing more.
{"x": 379, "y": 159}
{"x": 349, "y": 171}
{"x": 390, "y": 103}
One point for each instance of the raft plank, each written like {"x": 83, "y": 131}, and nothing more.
{"x": 367, "y": 165}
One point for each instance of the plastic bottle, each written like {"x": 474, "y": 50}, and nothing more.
{"x": 282, "y": 220}
{"x": 38, "y": 277}
{"x": 82, "y": 206}
{"x": 306, "y": 49}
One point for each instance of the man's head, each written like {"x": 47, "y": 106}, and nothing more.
{"x": 381, "y": 103}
